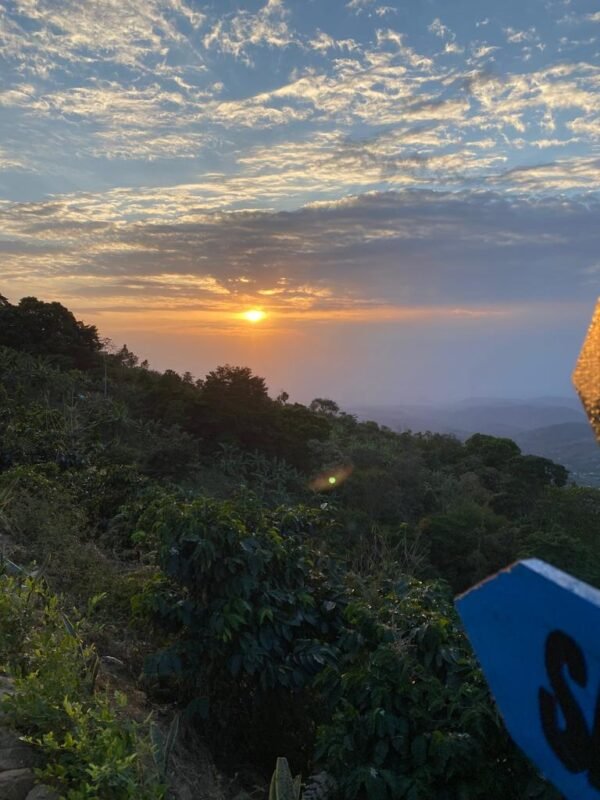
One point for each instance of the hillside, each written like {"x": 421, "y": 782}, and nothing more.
{"x": 554, "y": 428}
{"x": 571, "y": 443}
{"x": 244, "y": 566}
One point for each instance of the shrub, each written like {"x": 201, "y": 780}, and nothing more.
{"x": 257, "y": 607}
{"x": 410, "y": 714}
{"x": 90, "y": 753}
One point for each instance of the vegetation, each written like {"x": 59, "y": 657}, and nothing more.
{"x": 281, "y": 574}
{"x": 89, "y": 752}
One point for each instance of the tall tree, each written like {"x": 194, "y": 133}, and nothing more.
{"x": 49, "y": 329}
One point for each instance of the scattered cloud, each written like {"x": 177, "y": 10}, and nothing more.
{"x": 125, "y": 32}
{"x": 439, "y": 29}
{"x": 517, "y": 37}
{"x": 323, "y": 42}
{"x": 360, "y": 5}
{"x": 10, "y": 162}
{"x": 236, "y": 34}
{"x": 140, "y": 82}
{"x": 384, "y": 11}
{"x": 468, "y": 250}
{"x": 484, "y": 50}
{"x": 444, "y": 33}
{"x": 572, "y": 174}
{"x": 345, "y": 160}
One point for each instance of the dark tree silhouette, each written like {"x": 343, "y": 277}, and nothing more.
{"x": 51, "y": 330}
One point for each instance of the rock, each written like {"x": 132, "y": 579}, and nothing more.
{"x": 18, "y": 758}
{"x": 15, "y": 754}
{"x": 41, "y": 792}
{"x": 15, "y": 784}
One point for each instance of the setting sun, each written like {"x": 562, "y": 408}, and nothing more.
{"x": 254, "y": 315}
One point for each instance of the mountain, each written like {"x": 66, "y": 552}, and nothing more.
{"x": 572, "y": 444}
{"x": 552, "y": 427}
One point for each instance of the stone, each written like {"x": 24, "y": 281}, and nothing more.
{"x": 15, "y": 784}
{"x": 15, "y": 754}
{"x": 41, "y": 792}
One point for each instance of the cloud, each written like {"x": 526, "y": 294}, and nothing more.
{"x": 238, "y": 33}
{"x": 323, "y": 42}
{"x": 514, "y": 36}
{"x": 360, "y": 5}
{"x": 484, "y": 50}
{"x": 527, "y": 101}
{"x": 439, "y": 29}
{"x": 10, "y": 162}
{"x": 190, "y": 157}
{"x": 572, "y": 174}
{"x": 384, "y": 11}
{"x": 586, "y": 126}
{"x": 467, "y": 250}
{"x": 126, "y": 32}
{"x": 398, "y": 41}
{"x": 141, "y": 82}
{"x": 449, "y": 38}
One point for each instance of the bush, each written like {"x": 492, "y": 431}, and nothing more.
{"x": 257, "y": 607}
{"x": 410, "y": 713}
{"x": 44, "y": 518}
{"x": 90, "y": 753}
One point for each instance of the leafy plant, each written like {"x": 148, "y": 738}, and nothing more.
{"x": 90, "y": 752}
{"x": 98, "y": 756}
{"x": 283, "y": 786}
{"x": 410, "y": 715}
{"x": 255, "y": 607}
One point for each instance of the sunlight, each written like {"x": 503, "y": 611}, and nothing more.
{"x": 254, "y": 315}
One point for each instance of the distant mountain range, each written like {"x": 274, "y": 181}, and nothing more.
{"x": 553, "y": 427}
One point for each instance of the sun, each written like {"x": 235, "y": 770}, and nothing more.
{"x": 254, "y": 315}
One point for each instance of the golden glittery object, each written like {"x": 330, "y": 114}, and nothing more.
{"x": 586, "y": 375}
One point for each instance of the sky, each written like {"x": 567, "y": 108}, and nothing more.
{"x": 409, "y": 190}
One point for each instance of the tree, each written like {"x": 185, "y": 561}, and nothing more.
{"x": 322, "y": 405}
{"x": 467, "y": 544}
{"x": 492, "y": 451}
{"x": 49, "y": 329}
{"x": 528, "y": 477}
{"x": 125, "y": 357}
{"x": 296, "y": 428}
{"x": 234, "y": 386}
{"x": 236, "y": 408}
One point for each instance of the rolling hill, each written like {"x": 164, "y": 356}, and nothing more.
{"x": 552, "y": 427}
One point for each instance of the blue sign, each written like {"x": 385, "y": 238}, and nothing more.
{"x": 536, "y": 633}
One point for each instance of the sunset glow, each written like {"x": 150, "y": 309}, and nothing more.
{"x": 254, "y": 315}
{"x": 351, "y": 181}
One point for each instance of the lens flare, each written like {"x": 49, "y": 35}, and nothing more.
{"x": 331, "y": 478}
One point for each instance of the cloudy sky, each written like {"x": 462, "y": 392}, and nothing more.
{"x": 409, "y": 190}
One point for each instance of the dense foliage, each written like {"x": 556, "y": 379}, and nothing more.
{"x": 283, "y": 573}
